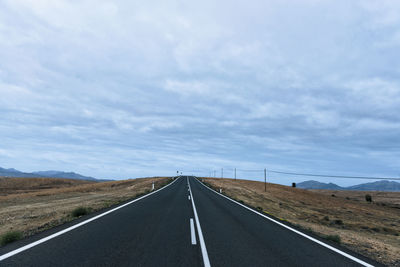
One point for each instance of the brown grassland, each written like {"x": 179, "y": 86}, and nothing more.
{"x": 371, "y": 229}
{"x": 31, "y": 205}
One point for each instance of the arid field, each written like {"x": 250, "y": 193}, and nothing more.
{"x": 31, "y": 205}
{"x": 371, "y": 229}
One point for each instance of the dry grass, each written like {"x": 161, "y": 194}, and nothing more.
{"x": 391, "y": 199}
{"x": 31, "y": 205}
{"x": 371, "y": 229}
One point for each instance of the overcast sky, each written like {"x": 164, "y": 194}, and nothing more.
{"x": 118, "y": 89}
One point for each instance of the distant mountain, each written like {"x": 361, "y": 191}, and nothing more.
{"x": 15, "y": 173}
{"x": 377, "y": 186}
{"x": 54, "y": 174}
{"x": 46, "y": 173}
{"x": 374, "y": 186}
{"x": 68, "y": 175}
{"x": 318, "y": 185}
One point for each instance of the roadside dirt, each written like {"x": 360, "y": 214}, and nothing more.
{"x": 31, "y": 205}
{"x": 371, "y": 229}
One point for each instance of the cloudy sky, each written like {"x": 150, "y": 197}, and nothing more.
{"x": 118, "y": 89}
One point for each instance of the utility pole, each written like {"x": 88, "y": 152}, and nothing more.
{"x": 222, "y": 172}
{"x": 235, "y": 174}
{"x": 265, "y": 180}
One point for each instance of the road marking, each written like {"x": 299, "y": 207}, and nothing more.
{"x": 189, "y": 197}
{"x": 296, "y": 231}
{"x": 40, "y": 241}
{"x": 204, "y": 253}
{"x": 192, "y": 231}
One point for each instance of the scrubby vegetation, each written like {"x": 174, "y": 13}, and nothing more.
{"x": 80, "y": 211}
{"x": 334, "y": 238}
{"x": 10, "y": 237}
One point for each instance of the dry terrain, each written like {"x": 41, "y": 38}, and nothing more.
{"x": 31, "y": 205}
{"x": 371, "y": 229}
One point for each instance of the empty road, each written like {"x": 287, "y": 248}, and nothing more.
{"x": 183, "y": 224}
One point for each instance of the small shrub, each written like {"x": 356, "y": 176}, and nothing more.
{"x": 259, "y": 208}
{"x": 80, "y": 211}
{"x": 10, "y": 237}
{"x": 334, "y": 238}
{"x": 368, "y": 198}
{"x": 333, "y": 195}
{"x": 107, "y": 204}
{"x": 339, "y": 222}
{"x": 326, "y": 218}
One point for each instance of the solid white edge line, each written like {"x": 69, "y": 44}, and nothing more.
{"x": 40, "y": 241}
{"x": 192, "y": 231}
{"x": 204, "y": 253}
{"x": 296, "y": 231}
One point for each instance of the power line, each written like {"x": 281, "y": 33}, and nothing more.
{"x": 335, "y": 176}
{"x": 299, "y": 174}
{"x": 249, "y": 170}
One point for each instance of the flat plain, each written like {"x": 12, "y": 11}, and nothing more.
{"x": 371, "y": 229}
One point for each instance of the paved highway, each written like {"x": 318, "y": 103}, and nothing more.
{"x": 183, "y": 224}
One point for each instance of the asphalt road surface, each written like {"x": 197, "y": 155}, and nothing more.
{"x": 183, "y": 224}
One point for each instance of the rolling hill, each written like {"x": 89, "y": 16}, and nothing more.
{"x": 384, "y": 185}
{"x": 53, "y": 174}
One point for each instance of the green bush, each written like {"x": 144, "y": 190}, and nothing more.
{"x": 80, "y": 211}
{"x": 10, "y": 237}
{"x": 368, "y": 198}
{"x": 334, "y": 238}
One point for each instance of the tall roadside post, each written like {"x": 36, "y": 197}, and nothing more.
{"x": 265, "y": 180}
{"x": 235, "y": 174}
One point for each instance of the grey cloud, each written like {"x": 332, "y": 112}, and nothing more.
{"x": 122, "y": 89}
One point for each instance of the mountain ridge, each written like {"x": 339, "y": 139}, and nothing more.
{"x": 11, "y": 172}
{"x": 384, "y": 185}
